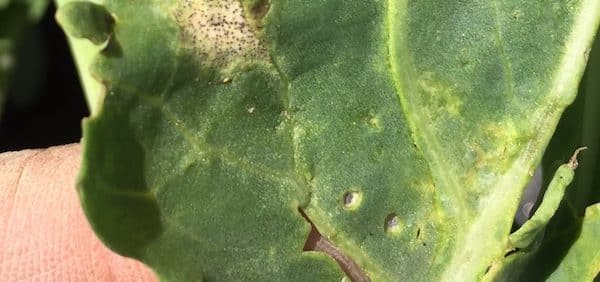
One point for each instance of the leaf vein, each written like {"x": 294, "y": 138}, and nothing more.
{"x": 201, "y": 147}
{"x": 506, "y": 61}
{"x": 421, "y": 136}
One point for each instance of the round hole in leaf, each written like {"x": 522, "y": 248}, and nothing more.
{"x": 392, "y": 223}
{"x": 351, "y": 200}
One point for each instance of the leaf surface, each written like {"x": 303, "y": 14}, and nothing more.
{"x": 582, "y": 262}
{"x": 577, "y": 128}
{"x": 404, "y": 130}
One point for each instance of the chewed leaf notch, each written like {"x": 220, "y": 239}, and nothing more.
{"x": 82, "y": 19}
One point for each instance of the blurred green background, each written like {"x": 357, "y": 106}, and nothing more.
{"x": 41, "y": 99}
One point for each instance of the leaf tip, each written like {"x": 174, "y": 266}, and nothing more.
{"x": 573, "y": 163}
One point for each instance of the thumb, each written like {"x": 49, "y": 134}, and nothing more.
{"x": 43, "y": 232}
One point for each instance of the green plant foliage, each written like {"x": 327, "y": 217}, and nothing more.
{"x": 89, "y": 20}
{"x": 578, "y": 127}
{"x": 15, "y": 17}
{"x": 405, "y": 131}
{"x": 583, "y": 258}
{"x": 85, "y": 50}
{"x": 535, "y": 226}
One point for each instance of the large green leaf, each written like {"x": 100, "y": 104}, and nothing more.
{"x": 582, "y": 261}
{"x": 578, "y": 127}
{"x": 404, "y": 130}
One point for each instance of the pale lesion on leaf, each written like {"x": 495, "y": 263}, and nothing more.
{"x": 494, "y": 153}
{"x": 219, "y": 32}
{"x": 374, "y": 122}
{"x": 438, "y": 97}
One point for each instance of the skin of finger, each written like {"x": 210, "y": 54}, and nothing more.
{"x": 44, "y": 235}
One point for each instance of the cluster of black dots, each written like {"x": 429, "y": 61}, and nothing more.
{"x": 217, "y": 30}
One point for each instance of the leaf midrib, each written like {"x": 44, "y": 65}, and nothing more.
{"x": 420, "y": 133}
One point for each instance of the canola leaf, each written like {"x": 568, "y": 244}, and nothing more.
{"x": 84, "y": 50}
{"x": 576, "y": 128}
{"x": 582, "y": 261}
{"x": 404, "y": 130}
{"x": 86, "y": 20}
